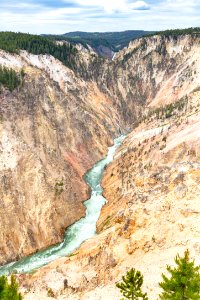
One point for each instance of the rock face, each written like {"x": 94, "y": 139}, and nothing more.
{"x": 151, "y": 71}
{"x": 152, "y": 213}
{"x": 152, "y": 186}
{"x": 53, "y": 129}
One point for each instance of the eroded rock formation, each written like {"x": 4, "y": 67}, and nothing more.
{"x": 152, "y": 186}
{"x": 53, "y": 129}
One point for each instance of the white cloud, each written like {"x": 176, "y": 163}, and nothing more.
{"x": 179, "y": 6}
{"x": 97, "y": 15}
{"x": 111, "y": 6}
{"x": 22, "y": 5}
{"x": 139, "y": 5}
{"x": 59, "y": 13}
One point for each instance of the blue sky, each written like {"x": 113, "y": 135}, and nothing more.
{"x": 60, "y": 16}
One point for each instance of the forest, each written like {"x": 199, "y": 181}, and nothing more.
{"x": 115, "y": 41}
{"x": 35, "y": 44}
{"x": 177, "y": 32}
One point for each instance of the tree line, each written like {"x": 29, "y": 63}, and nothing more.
{"x": 14, "y": 42}
{"x": 177, "y": 32}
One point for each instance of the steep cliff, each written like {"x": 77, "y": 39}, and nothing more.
{"x": 157, "y": 68}
{"x": 52, "y": 130}
{"x": 152, "y": 186}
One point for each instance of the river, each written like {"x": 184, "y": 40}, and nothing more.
{"x": 77, "y": 233}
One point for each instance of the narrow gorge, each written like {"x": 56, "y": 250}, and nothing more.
{"x": 77, "y": 233}
{"x": 58, "y": 124}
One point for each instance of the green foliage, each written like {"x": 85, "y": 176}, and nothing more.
{"x": 93, "y": 42}
{"x": 117, "y": 40}
{"x": 50, "y": 293}
{"x": 131, "y": 284}
{"x": 113, "y": 40}
{"x": 9, "y": 78}
{"x": 184, "y": 283}
{"x": 9, "y": 291}
{"x": 13, "y": 42}
{"x": 59, "y": 188}
{"x": 167, "y": 111}
{"x": 177, "y": 32}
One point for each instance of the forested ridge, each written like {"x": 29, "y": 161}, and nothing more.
{"x": 115, "y": 41}
{"x": 177, "y": 32}
{"x": 35, "y": 44}
{"x": 93, "y": 42}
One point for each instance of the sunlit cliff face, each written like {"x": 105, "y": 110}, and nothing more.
{"x": 52, "y": 130}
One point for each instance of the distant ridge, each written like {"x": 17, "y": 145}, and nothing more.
{"x": 116, "y": 40}
{"x": 104, "y": 43}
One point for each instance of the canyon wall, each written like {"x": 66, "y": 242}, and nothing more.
{"x": 55, "y": 126}
{"x": 152, "y": 185}
{"x": 52, "y": 130}
{"x": 150, "y": 71}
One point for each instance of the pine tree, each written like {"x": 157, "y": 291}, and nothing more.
{"x": 10, "y": 78}
{"x": 3, "y": 285}
{"x": 9, "y": 291}
{"x": 184, "y": 283}
{"x": 131, "y": 284}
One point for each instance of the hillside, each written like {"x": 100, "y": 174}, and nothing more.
{"x": 104, "y": 43}
{"x": 116, "y": 40}
{"x": 152, "y": 91}
{"x": 53, "y": 128}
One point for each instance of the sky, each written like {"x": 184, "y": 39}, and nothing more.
{"x": 61, "y": 16}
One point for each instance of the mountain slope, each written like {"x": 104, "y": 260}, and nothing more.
{"x": 64, "y": 121}
{"x": 103, "y": 43}
{"x": 53, "y": 128}
{"x": 152, "y": 186}
{"x": 116, "y": 40}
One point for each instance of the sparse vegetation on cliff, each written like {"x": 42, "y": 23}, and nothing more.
{"x": 59, "y": 188}
{"x": 10, "y": 79}
{"x": 167, "y": 111}
{"x": 50, "y": 293}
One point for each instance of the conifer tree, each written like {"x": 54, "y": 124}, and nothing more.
{"x": 131, "y": 284}
{"x": 10, "y": 78}
{"x": 184, "y": 283}
{"x": 3, "y": 285}
{"x": 9, "y": 291}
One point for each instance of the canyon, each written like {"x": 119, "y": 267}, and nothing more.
{"x": 60, "y": 122}
{"x": 52, "y": 131}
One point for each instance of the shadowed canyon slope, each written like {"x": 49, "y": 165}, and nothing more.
{"x": 152, "y": 186}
